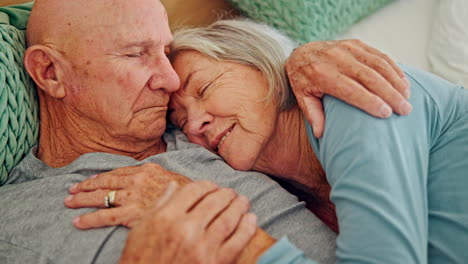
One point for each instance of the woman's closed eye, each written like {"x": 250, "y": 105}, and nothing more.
{"x": 206, "y": 89}
{"x": 210, "y": 86}
{"x": 202, "y": 90}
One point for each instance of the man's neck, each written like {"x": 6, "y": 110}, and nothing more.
{"x": 63, "y": 139}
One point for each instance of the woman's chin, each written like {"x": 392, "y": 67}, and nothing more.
{"x": 241, "y": 165}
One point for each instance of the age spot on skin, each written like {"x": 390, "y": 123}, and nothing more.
{"x": 88, "y": 62}
{"x": 120, "y": 81}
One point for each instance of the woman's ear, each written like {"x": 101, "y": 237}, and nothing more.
{"x": 41, "y": 65}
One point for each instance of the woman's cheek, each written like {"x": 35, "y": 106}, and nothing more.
{"x": 197, "y": 140}
{"x": 240, "y": 160}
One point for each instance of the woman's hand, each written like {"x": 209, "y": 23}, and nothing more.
{"x": 348, "y": 70}
{"x": 200, "y": 223}
{"x": 137, "y": 188}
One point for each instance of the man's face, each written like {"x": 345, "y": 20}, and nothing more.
{"x": 119, "y": 77}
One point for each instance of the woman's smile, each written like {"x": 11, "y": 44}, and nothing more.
{"x": 221, "y": 138}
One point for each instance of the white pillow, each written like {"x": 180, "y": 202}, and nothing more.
{"x": 448, "y": 45}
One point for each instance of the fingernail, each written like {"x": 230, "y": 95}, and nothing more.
{"x": 385, "y": 111}
{"x": 73, "y": 187}
{"x": 68, "y": 198}
{"x": 172, "y": 186}
{"x": 252, "y": 219}
{"x": 406, "y": 80}
{"x": 243, "y": 199}
{"x": 93, "y": 176}
{"x": 315, "y": 129}
{"x": 405, "y": 107}
{"x": 76, "y": 220}
{"x": 407, "y": 93}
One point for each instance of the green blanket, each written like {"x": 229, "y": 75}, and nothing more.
{"x": 19, "y": 121}
{"x": 309, "y": 20}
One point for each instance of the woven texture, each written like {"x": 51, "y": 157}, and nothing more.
{"x": 309, "y": 20}
{"x": 18, "y": 102}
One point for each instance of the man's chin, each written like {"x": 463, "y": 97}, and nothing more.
{"x": 147, "y": 129}
{"x": 150, "y": 117}
{"x": 151, "y": 110}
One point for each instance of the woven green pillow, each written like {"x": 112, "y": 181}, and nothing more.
{"x": 309, "y": 20}
{"x": 18, "y": 102}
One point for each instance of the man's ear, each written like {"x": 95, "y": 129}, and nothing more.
{"x": 41, "y": 64}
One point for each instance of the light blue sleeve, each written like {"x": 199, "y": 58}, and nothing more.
{"x": 378, "y": 170}
{"x": 283, "y": 252}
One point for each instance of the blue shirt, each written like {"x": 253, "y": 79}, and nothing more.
{"x": 400, "y": 185}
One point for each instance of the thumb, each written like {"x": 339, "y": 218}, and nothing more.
{"x": 313, "y": 111}
{"x": 170, "y": 190}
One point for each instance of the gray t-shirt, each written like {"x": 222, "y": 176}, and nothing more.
{"x": 36, "y": 227}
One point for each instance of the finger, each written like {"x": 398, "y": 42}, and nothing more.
{"x": 87, "y": 199}
{"x": 313, "y": 110}
{"x": 232, "y": 248}
{"x": 226, "y": 222}
{"x": 395, "y": 67}
{"x": 309, "y": 103}
{"x": 375, "y": 83}
{"x": 380, "y": 63}
{"x": 108, "y": 217}
{"x": 355, "y": 94}
{"x": 112, "y": 179}
{"x": 211, "y": 206}
{"x": 102, "y": 181}
{"x": 190, "y": 194}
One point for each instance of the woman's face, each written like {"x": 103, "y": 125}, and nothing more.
{"x": 221, "y": 106}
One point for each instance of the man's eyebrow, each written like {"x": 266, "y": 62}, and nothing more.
{"x": 144, "y": 43}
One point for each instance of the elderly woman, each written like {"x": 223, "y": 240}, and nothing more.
{"x": 398, "y": 184}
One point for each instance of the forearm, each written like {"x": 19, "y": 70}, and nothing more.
{"x": 256, "y": 247}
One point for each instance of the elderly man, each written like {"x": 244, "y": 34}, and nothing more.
{"x": 104, "y": 82}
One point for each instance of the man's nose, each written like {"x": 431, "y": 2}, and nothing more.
{"x": 164, "y": 77}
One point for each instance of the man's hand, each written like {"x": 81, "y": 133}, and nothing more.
{"x": 350, "y": 71}
{"x": 200, "y": 223}
{"x": 137, "y": 188}
{"x": 140, "y": 187}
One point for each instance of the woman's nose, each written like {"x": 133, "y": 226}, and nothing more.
{"x": 199, "y": 123}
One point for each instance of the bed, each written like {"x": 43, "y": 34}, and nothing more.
{"x": 427, "y": 34}
{"x": 401, "y": 29}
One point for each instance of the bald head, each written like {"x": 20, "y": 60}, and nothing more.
{"x": 52, "y": 21}
{"x": 61, "y": 22}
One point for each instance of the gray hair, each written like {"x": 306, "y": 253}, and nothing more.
{"x": 247, "y": 43}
